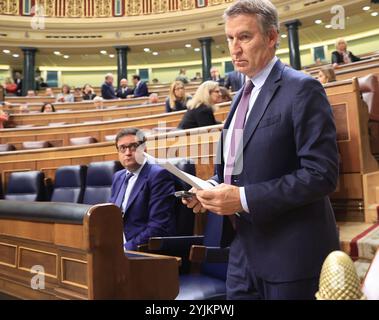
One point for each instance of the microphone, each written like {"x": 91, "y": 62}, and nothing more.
{"x": 339, "y": 279}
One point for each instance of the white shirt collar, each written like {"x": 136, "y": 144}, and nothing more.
{"x": 260, "y": 79}
{"x": 137, "y": 172}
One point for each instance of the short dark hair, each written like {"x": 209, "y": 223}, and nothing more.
{"x": 131, "y": 131}
{"x": 136, "y": 76}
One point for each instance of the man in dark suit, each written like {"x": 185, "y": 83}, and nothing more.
{"x": 143, "y": 191}
{"x": 140, "y": 87}
{"x": 234, "y": 81}
{"x": 18, "y": 81}
{"x": 124, "y": 91}
{"x": 107, "y": 90}
{"x": 274, "y": 187}
{"x": 215, "y": 76}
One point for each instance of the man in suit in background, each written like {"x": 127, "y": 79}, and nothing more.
{"x": 107, "y": 90}
{"x": 284, "y": 166}
{"x": 215, "y": 76}
{"x": 144, "y": 192}
{"x": 124, "y": 91}
{"x": 18, "y": 81}
{"x": 140, "y": 87}
{"x": 234, "y": 81}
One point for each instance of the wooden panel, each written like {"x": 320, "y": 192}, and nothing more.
{"x": 74, "y": 272}
{"x": 28, "y": 257}
{"x": 349, "y": 187}
{"x": 39, "y": 231}
{"x": 69, "y": 236}
{"x": 8, "y": 254}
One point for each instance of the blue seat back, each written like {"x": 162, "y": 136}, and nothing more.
{"x": 26, "y": 186}
{"x": 69, "y": 184}
{"x": 99, "y": 181}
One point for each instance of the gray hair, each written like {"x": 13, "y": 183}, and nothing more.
{"x": 265, "y": 11}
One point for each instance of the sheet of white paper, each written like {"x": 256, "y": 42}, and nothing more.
{"x": 186, "y": 177}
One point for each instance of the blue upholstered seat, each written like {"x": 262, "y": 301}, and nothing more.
{"x": 99, "y": 181}
{"x": 26, "y": 186}
{"x": 69, "y": 184}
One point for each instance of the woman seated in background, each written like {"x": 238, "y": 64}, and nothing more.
{"x": 88, "y": 92}
{"x": 10, "y": 86}
{"x": 341, "y": 55}
{"x": 98, "y": 103}
{"x": 177, "y": 98}
{"x": 65, "y": 95}
{"x": 201, "y": 107}
{"x": 48, "y": 107}
{"x": 3, "y": 117}
{"x": 225, "y": 95}
{"x": 326, "y": 74}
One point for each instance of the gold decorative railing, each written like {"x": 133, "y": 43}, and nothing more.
{"x": 100, "y": 8}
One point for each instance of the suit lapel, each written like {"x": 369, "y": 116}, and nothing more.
{"x": 138, "y": 185}
{"x": 267, "y": 92}
{"x": 121, "y": 191}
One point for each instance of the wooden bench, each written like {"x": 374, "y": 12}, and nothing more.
{"x": 59, "y": 136}
{"x": 80, "y": 250}
{"x": 80, "y": 116}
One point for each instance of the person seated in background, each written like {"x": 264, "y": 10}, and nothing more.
{"x": 155, "y": 81}
{"x": 326, "y": 74}
{"x": 65, "y": 95}
{"x": 225, "y": 95}
{"x": 124, "y": 91}
{"x": 140, "y": 87}
{"x": 153, "y": 98}
{"x": 47, "y": 107}
{"x": 107, "y": 90}
{"x": 144, "y": 192}
{"x": 215, "y": 76}
{"x": 342, "y": 55}
{"x": 234, "y": 81}
{"x": 10, "y": 87}
{"x": 24, "y": 108}
{"x": 30, "y": 93}
{"x": 201, "y": 107}
{"x": 49, "y": 92}
{"x": 3, "y": 116}
{"x": 197, "y": 77}
{"x": 177, "y": 98}
{"x": 98, "y": 102}
{"x": 88, "y": 93}
{"x": 182, "y": 76}
{"x": 18, "y": 81}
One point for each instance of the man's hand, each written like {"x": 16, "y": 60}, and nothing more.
{"x": 224, "y": 199}
{"x": 193, "y": 203}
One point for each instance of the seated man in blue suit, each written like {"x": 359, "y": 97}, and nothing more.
{"x": 140, "y": 87}
{"x": 143, "y": 191}
{"x": 107, "y": 90}
{"x": 279, "y": 163}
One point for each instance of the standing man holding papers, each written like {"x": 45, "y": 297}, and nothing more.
{"x": 278, "y": 163}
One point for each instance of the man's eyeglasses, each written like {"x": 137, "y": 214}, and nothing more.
{"x": 131, "y": 146}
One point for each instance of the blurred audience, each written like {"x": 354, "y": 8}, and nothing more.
{"x": 49, "y": 92}
{"x": 153, "y": 98}
{"x": 140, "y": 87}
{"x": 215, "y": 76}
{"x": 107, "y": 90}
{"x": 201, "y": 107}
{"x": 342, "y": 55}
{"x": 197, "y": 77}
{"x": 65, "y": 95}
{"x": 3, "y": 117}
{"x": 98, "y": 102}
{"x": 225, "y": 95}
{"x": 124, "y": 91}
{"x": 9, "y": 86}
{"x": 182, "y": 76}
{"x": 47, "y": 107}
{"x": 18, "y": 81}
{"x": 177, "y": 98}
{"x": 88, "y": 93}
{"x": 30, "y": 93}
{"x": 326, "y": 74}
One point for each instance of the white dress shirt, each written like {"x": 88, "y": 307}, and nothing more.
{"x": 258, "y": 81}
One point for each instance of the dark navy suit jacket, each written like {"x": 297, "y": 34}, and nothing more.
{"x": 141, "y": 90}
{"x": 107, "y": 91}
{"x": 234, "y": 81}
{"x": 150, "y": 208}
{"x": 290, "y": 165}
